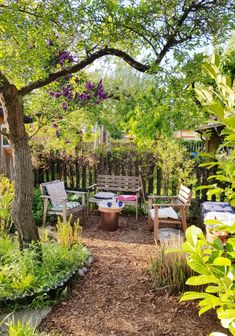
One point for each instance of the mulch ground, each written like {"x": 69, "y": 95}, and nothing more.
{"x": 116, "y": 297}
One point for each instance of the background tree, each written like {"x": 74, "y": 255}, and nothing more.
{"x": 33, "y": 32}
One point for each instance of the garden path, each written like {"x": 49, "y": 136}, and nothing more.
{"x": 116, "y": 297}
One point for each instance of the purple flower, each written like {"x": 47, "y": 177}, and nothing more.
{"x": 60, "y": 117}
{"x": 82, "y": 96}
{"x": 57, "y": 94}
{"x": 49, "y": 42}
{"x": 90, "y": 86}
{"x": 90, "y": 103}
{"x": 55, "y": 125}
{"x": 57, "y": 134}
{"x": 64, "y": 106}
{"x": 67, "y": 141}
{"x": 65, "y": 56}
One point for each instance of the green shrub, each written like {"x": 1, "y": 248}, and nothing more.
{"x": 20, "y": 273}
{"x": 37, "y": 206}
{"x": 6, "y": 198}
{"x": 169, "y": 270}
{"x": 214, "y": 264}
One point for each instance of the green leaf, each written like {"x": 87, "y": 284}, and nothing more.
{"x": 221, "y": 261}
{"x": 201, "y": 280}
{"x": 204, "y": 309}
{"x": 187, "y": 296}
{"x": 212, "y": 289}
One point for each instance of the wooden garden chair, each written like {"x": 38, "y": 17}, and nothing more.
{"x": 165, "y": 213}
{"x": 56, "y": 202}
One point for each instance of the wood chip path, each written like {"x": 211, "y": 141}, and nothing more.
{"x": 116, "y": 297}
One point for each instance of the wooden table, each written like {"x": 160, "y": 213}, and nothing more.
{"x": 109, "y": 215}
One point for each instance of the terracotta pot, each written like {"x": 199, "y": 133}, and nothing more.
{"x": 8, "y": 151}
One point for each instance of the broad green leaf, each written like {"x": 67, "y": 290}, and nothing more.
{"x": 201, "y": 280}
{"x": 221, "y": 261}
{"x": 195, "y": 295}
{"x": 212, "y": 289}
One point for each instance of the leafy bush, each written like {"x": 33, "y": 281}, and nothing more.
{"x": 169, "y": 271}
{"x": 214, "y": 264}
{"x": 220, "y": 101}
{"x": 6, "y": 198}
{"x": 37, "y": 206}
{"x": 20, "y": 273}
{"x": 175, "y": 164}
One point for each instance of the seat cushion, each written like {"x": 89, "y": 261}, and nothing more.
{"x": 56, "y": 190}
{"x": 167, "y": 212}
{"x": 69, "y": 205}
{"x": 126, "y": 198}
{"x": 105, "y": 195}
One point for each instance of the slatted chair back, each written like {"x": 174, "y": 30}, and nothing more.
{"x": 185, "y": 195}
{"x": 118, "y": 183}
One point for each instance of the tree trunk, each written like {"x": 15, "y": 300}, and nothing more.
{"x": 22, "y": 215}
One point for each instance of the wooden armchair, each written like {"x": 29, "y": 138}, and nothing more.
{"x": 156, "y": 214}
{"x": 56, "y": 202}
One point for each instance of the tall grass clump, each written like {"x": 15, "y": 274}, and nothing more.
{"x": 169, "y": 270}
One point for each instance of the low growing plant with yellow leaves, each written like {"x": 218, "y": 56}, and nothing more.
{"x": 68, "y": 234}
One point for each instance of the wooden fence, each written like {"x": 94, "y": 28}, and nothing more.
{"x": 78, "y": 172}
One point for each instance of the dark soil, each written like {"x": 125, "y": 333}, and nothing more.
{"x": 116, "y": 297}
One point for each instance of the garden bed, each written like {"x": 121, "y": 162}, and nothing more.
{"x": 24, "y": 279}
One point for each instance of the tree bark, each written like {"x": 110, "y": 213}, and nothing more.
{"x": 12, "y": 105}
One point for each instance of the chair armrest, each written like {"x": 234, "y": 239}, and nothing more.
{"x": 76, "y": 192}
{"x": 138, "y": 189}
{"x": 170, "y": 204}
{"x": 92, "y": 186}
{"x": 56, "y": 198}
{"x": 156, "y": 196}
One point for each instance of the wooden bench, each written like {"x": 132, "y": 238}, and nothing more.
{"x": 181, "y": 202}
{"x": 118, "y": 184}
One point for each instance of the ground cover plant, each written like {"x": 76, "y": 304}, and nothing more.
{"x": 22, "y": 273}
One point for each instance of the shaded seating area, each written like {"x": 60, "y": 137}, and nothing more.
{"x": 173, "y": 211}
{"x": 56, "y": 202}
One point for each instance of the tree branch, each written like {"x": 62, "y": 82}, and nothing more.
{"x": 81, "y": 65}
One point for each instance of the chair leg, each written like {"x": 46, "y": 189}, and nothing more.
{"x": 45, "y": 212}
{"x": 83, "y": 217}
{"x": 155, "y": 230}
{"x": 149, "y": 223}
{"x": 156, "y": 224}
{"x": 184, "y": 223}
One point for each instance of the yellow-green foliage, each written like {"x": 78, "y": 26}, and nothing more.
{"x": 169, "y": 271}
{"x": 175, "y": 164}
{"x": 6, "y": 198}
{"x": 67, "y": 234}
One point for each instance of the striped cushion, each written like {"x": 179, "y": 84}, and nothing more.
{"x": 69, "y": 205}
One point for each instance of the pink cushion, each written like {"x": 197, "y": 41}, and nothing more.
{"x": 127, "y": 198}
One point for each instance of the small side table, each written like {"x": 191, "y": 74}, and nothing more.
{"x": 109, "y": 215}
